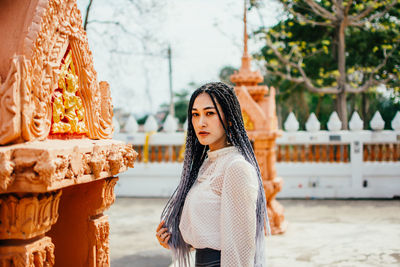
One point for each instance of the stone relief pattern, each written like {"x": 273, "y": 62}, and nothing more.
{"x": 96, "y": 97}
{"x": 25, "y": 96}
{"x": 41, "y": 168}
{"x": 12, "y": 260}
{"x": 107, "y": 195}
{"x": 24, "y": 217}
{"x": 38, "y": 254}
{"x": 10, "y": 117}
{"x": 101, "y": 230}
{"x": 6, "y": 168}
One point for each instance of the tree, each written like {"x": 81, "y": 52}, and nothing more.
{"x": 128, "y": 37}
{"x": 334, "y": 47}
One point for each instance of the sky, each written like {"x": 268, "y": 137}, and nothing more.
{"x": 204, "y": 35}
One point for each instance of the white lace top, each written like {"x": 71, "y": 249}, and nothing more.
{"x": 220, "y": 209}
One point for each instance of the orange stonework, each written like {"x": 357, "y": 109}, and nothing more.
{"x": 259, "y": 114}
{"x": 57, "y": 161}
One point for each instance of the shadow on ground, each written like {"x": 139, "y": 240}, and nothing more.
{"x": 144, "y": 259}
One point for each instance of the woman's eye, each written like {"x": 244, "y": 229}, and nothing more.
{"x": 210, "y": 113}
{"x": 194, "y": 114}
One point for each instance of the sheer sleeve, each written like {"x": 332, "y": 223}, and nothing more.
{"x": 238, "y": 215}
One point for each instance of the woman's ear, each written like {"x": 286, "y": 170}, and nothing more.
{"x": 230, "y": 123}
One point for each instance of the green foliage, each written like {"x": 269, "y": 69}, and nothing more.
{"x": 225, "y": 74}
{"x": 142, "y": 120}
{"x": 311, "y": 40}
{"x": 386, "y": 105}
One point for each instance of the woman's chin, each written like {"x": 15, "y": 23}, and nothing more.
{"x": 204, "y": 143}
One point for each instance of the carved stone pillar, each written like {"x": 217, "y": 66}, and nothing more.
{"x": 51, "y": 208}
{"x": 24, "y": 218}
{"x": 57, "y": 159}
{"x": 37, "y": 252}
{"x": 265, "y": 154}
{"x": 81, "y": 235}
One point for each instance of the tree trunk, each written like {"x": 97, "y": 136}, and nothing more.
{"x": 341, "y": 103}
{"x": 364, "y": 108}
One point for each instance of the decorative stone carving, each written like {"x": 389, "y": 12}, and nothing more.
{"x": 100, "y": 229}
{"x": 52, "y": 164}
{"x": 68, "y": 112}
{"x": 248, "y": 124}
{"x": 27, "y": 216}
{"x": 10, "y": 118}
{"x": 170, "y": 124}
{"x": 131, "y": 125}
{"x": 334, "y": 123}
{"x": 108, "y": 194}
{"x": 377, "y": 123}
{"x": 395, "y": 122}
{"x": 25, "y": 95}
{"x": 55, "y": 187}
{"x": 35, "y": 254}
{"x": 258, "y": 108}
{"x": 6, "y": 168}
{"x": 356, "y": 123}
{"x": 312, "y": 124}
{"x": 291, "y": 124}
{"x": 151, "y": 124}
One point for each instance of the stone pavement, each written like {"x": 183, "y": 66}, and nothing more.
{"x": 320, "y": 233}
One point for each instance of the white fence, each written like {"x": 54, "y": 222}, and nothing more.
{"x": 313, "y": 164}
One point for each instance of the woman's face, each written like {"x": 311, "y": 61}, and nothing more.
{"x": 208, "y": 127}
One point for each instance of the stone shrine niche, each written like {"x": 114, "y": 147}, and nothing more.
{"x": 58, "y": 163}
{"x": 68, "y": 113}
{"x": 30, "y": 66}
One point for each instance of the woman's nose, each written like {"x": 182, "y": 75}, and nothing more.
{"x": 202, "y": 121}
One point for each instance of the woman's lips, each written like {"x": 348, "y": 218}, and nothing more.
{"x": 203, "y": 133}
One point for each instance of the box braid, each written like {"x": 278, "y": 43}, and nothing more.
{"x": 195, "y": 154}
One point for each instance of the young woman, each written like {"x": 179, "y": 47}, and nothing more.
{"x": 219, "y": 206}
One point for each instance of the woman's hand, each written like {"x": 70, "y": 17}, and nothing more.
{"x": 163, "y": 235}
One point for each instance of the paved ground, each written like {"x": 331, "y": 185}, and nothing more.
{"x": 320, "y": 233}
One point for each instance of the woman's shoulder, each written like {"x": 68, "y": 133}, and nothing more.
{"x": 237, "y": 159}
{"x": 238, "y": 166}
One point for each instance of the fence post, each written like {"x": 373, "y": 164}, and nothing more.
{"x": 356, "y": 161}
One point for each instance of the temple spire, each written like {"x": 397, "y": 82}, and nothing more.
{"x": 245, "y": 76}
{"x": 245, "y": 58}
{"x": 245, "y": 28}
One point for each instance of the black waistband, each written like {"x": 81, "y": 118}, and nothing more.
{"x": 207, "y": 257}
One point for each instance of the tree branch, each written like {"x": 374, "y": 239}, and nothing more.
{"x": 353, "y": 21}
{"x": 301, "y": 18}
{"x": 87, "y": 14}
{"x": 364, "y": 13}
{"x": 116, "y": 23}
{"x": 303, "y": 79}
{"x": 336, "y": 5}
{"x": 319, "y": 10}
{"x": 371, "y": 81}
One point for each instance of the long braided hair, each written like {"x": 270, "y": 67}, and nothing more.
{"x": 195, "y": 154}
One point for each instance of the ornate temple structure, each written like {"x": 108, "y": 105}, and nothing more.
{"x": 259, "y": 114}
{"x": 57, "y": 160}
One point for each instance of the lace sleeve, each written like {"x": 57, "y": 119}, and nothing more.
{"x": 238, "y": 215}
